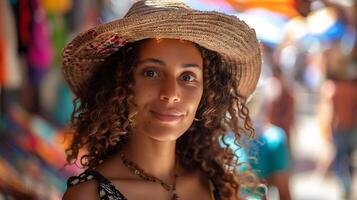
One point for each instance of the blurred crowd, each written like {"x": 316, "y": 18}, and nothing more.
{"x": 309, "y": 69}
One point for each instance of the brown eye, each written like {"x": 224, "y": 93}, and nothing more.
{"x": 188, "y": 77}
{"x": 150, "y": 73}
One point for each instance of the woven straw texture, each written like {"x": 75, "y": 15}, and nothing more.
{"x": 227, "y": 35}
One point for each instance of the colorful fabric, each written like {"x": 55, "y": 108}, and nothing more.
{"x": 59, "y": 36}
{"x": 2, "y": 49}
{"x": 40, "y": 52}
{"x": 10, "y": 71}
{"x": 25, "y": 19}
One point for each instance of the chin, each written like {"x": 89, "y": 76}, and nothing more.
{"x": 165, "y": 134}
{"x": 163, "y": 131}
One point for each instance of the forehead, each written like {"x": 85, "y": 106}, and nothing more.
{"x": 169, "y": 48}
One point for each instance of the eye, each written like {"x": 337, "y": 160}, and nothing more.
{"x": 150, "y": 73}
{"x": 188, "y": 77}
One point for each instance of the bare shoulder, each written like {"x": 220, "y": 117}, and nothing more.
{"x": 86, "y": 190}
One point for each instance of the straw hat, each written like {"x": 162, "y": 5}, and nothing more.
{"x": 227, "y": 35}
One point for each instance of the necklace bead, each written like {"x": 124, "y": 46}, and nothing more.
{"x": 141, "y": 174}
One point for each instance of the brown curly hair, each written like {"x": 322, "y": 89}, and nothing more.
{"x": 101, "y": 120}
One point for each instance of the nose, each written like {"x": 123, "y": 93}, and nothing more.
{"x": 170, "y": 91}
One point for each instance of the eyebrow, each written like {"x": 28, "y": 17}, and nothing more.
{"x": 162, "y": 63}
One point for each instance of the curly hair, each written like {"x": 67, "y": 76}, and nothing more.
{"x": 101, "y": 120}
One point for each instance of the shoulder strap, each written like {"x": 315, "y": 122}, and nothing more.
{"x": 86, "y": 176}
{"x": 106, "y": 189}
{"x": 214, "y": 193}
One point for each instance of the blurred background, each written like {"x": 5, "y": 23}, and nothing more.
{"x": 307, "y": 95}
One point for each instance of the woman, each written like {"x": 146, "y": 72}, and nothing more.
{"x": 156, "y": 93}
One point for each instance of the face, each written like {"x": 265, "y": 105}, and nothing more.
{"x": 168, "y": 88}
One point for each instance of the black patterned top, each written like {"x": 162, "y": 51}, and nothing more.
{"x": 107, "y": 190}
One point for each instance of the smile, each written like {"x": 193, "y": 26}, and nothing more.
{"x": 167, "y": 117}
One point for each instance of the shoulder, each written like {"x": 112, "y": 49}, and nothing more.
{"x": 86, "y": 190}
{"x": 83, "y": 186}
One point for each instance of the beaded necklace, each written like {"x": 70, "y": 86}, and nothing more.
{"x": 141, "y": 174}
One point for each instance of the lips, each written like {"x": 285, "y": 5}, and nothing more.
{"x": 167, "y": 117}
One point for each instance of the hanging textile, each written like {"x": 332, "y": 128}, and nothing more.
{"x": 10, "y": 72}
{"x": 2, "y": 48}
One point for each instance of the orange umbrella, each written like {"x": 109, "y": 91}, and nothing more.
{"x": 285, "y": 7}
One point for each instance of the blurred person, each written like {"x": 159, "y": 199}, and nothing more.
{"x": 271, "y": 160}
{"x": 272, "y": 111}
{"x": 279, "y": 92}
{"x": 154, "y": 96}
{"x": 280, "y": 103}
{"x": 303, "y": 7}
{"x": 269, "y": 153}
{"x": 340, "y": 92}
{"x": 343, "y": 98}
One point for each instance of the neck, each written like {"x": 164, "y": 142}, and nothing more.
{"x": 157, "y": 158}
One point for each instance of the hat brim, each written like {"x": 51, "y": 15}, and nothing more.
{"x": 226, "y": 35}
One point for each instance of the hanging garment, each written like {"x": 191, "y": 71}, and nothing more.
{"x": 10, "y": 72}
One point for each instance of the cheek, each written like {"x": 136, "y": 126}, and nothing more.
{"x": 194, "y": 98}
{"x": 142, "y": 94}
{"x": 198, "y": 99}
